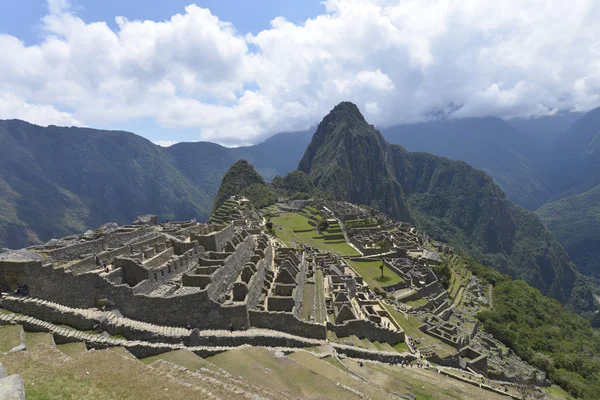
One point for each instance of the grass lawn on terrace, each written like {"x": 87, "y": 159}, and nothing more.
{"x": 371, "y": 273}
{"x": 294, "y": 221}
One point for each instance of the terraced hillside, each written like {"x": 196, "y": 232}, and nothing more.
{"x": 64, "y": 371}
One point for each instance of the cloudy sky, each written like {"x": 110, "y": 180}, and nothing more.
{"x": 235, "y": 72}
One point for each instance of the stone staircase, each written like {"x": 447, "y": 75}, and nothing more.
{"x": 138, "y": 348}
{"x": 144, "y": 339}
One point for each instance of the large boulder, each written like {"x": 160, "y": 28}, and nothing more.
{"x": 147, "y": 219}
{"x": 11, "y": 387}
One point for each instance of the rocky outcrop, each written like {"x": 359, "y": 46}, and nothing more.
{"x": 11, "y": 386}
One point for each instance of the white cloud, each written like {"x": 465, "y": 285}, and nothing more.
{"x": 165, "y": 143}
{"x": 396, "y": 59}
{"x": 12, "y": 107}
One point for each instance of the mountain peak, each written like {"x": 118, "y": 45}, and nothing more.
{"x": 347, "y": 159}
{"x": 346, "y": 113}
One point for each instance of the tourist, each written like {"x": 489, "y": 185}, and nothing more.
{"x": 231, "y": 328}
{"x": 188, "y": 326}
{"x": 25, "y": 289}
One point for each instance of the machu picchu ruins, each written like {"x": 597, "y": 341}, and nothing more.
{"x": 361, "y": 287}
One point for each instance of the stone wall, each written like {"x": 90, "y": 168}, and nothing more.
{"x": 147, "y": 242}
{"x": 85, "y": 290}
{"x": 111, "y": 240}
{"x": 224, "y": 277}
{"x": 286, "y": 322}
{"x": 118, "y": 239}
{"x": 215, "y": 241}
{"x": 159, "y": 259}
{"x": 299, "y": 292}
{"x": 282, "y": 303}
{"x": 364, "y": 329}
{"x": 85, "y": 265}
{"x": 258, "y": 279}
{"x": 48, "y": 313}
{"x": 74, "y": 251}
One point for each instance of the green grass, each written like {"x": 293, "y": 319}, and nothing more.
{"x": 417, "y": 303}
{"x": 185, "y": 358}
{"x": 371, "y": 273}
{"x": 264, "y": 367}
{"x": 10, "y": 337}
{"x": 294, "y": 221}
{"x": 32, "y": 339}
{"x": 401, "y": 347}
{"x": 72, "y": 349}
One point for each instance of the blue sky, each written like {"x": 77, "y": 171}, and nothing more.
{"x": 184, "y": 74}
{"x": 21, "y": 18}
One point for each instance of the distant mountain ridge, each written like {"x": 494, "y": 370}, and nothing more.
{"x": 57, "y": 181}
{"x": 489, "y": 144}
{"x": 575, "y": 222}
{"x": 349, "y": 160}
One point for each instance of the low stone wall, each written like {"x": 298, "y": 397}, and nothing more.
{"x": 365, "y": 354}
{"x": 74, "y": 251}
{"x": 111, "y": 240}
{"x": 159, "y": 259}
{"x": 286, "y": 322}
{"x": 50, "y": 313}
{"x": 215, "y": 241}
{"x": 83, "y": 266}
{"x": 118, "y": 239}
{"x": 364, "y": 329}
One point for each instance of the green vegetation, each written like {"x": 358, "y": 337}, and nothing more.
{"x": 575, "y": 222}
{"x": 242, "y": 179}
{"x": 541, "y": 331}
{"x": 10, "y": 337}
{"x": 306, "y": 233}
{"x": 279, "y": 373}
{"x": 296, "y": 185}
{"x": 371, "y": 273}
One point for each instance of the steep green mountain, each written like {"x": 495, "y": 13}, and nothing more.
{"x": 572, "y": 166}
{"x": 450, "y": 200}
{"x": 242, "y": 178}
{"x": 57, "y": 181}
{"x": 575, "y": 222}
{"x": 296, "y": 184}
{"x": 347, "y": 159}
{"x": 489, "y": 144}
